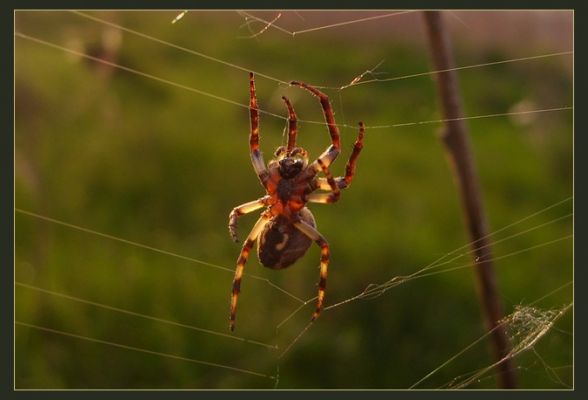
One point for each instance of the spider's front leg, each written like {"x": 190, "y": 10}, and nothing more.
{"x": 256, "y": 156}
{"x": 292, "y": 124}
{"x": 330, "y": 197}
{"x": 327, "y": 110}
{"x": 315, "y": 235}
{"x": 243, "y": 256}
{"x": 345, "y": 181}
{"x": 332, "y": 152}
{"x": 242, "y": 210}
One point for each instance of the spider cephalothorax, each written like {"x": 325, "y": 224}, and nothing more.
{"x": 286, "y": 229}
{"x": 291, "y": 162}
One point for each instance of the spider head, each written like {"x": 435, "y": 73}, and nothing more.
{"x": 291, "y": 162}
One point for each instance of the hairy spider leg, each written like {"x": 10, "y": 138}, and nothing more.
{"x": 345, "y": 181}
{"x": 330, "y": 197}
{"x": 331, "y": 153}
{"x": 322, "y": 243}
{"x": 256, "y": 156}
{"x": 292, "y": 129}
{"x": 327, "y": 109}
{"x": 257, "y": 228}
{"x": 243, "y": 209}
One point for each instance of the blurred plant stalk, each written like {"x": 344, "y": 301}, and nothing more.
{"x": 459, "y": 152}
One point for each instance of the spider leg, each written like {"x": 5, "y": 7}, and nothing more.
{"x": 257, "y": 228}
{"x": 256, "y": 156}
{"x": 345, "y": 181}
{"x": 323, "y": 184}
{"x": 324, "y": 198}
{"x": 292, "y": 129}
{"x": 241, "y": 210}
{"x": 328, "y": 111}
{"x": 331, "y": 153}
{"x": 315, "y": 235}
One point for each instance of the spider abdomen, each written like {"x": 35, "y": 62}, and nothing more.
{"x": 281, "y": 244}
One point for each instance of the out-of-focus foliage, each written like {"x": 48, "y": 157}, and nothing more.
{"x": 162, "y": 166}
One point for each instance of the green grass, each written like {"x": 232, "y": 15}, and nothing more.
{"x": 158, "y": 165}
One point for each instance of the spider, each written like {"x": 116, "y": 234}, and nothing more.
{"x": 286, "y": 229}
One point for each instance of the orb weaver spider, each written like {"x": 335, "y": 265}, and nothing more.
{"x": 286, "y": 229}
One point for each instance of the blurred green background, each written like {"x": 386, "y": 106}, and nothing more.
{"x": 156, "y": 164}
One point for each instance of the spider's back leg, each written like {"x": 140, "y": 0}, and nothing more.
{"x": 315, "y": 235}
{"x": 243, "y": 256}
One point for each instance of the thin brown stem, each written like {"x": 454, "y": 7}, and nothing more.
{"x": 459, "y": 153}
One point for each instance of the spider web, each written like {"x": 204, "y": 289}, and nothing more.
{"x": 526, "y": 325}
